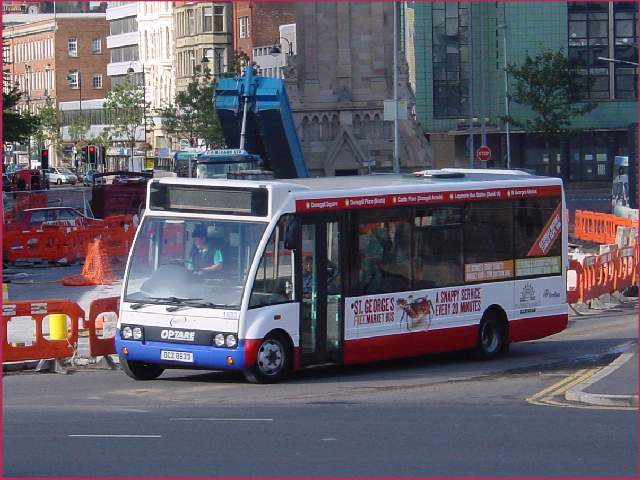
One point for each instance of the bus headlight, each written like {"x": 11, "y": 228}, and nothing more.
{"x": 127, "y": 333}
{"x": 137, "y": 333}
{"x": 219, "y": 340}
{"x": 231, "y": 341}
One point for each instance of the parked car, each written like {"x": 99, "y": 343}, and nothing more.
{"x": 60, "y": 175}
{"x": 36, "y": 218}
{"x": 128, "y": 179}
{"x": 90, "y": 179}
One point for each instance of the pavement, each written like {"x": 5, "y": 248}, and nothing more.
{"x": 615, "y": 385}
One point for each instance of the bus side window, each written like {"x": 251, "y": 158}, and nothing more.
{"x": 438, "y": 247}
{"x": 274, "y": 279}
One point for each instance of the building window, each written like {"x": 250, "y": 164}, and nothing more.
{"x": 589, "y": 40}
{"x": 450, "y": 34}
{"x": 123, "y": 25}
{"x": 124, "y": 54}
{"x": 207, "y": 19}
{"x": 608, "y": 30}
{"x": 191, "y": 22}
{"x": 72, "y": 47}
{"x": 96, "y": 46}
{"x": 96, "y": 81}
{"x": 73, "y": 77}
{"x": 625, "y": 17}
{"x": 218, "y": 19}
{"x": 244, "y": 27}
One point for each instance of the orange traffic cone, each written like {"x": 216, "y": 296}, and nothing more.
{"x": 96, "y": 270}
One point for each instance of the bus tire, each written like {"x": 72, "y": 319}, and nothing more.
{"x": 493, "y": 337}
{"x": 273, "y": 361}
{"x": 139, "y": 370}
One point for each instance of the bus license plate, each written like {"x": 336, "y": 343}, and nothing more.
{"x": 176, "y": 356}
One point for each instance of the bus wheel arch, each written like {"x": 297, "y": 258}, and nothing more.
{"x": 274, "y": 358}
{"x": 493, "y": 333}
{"x": 140, "y": 370}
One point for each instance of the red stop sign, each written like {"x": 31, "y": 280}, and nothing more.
{"x": 483, "y": 153}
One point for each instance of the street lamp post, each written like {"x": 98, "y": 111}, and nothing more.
{"x": 27, "y": 86}
{"x": 131, "y": 72}
{"x": 396, "y": 124}
{"x": 506, "y": 93}
{"x": 70, "y": 79}
{"x": 277, "y": 48}
{"x": 615, "y": 60}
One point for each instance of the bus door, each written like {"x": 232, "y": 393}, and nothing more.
{"x": 321, "y": 267}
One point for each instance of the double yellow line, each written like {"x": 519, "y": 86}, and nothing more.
{"x": 554, "y": 395}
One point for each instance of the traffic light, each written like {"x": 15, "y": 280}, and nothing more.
{"x": 92, "y": 155}
{"x": 44, "y": 158}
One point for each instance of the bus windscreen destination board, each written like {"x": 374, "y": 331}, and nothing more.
{"x": 215, "y": 200}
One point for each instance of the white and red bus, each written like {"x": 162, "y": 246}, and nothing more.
{"x": 269, "y": 277}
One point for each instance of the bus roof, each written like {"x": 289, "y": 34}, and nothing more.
{"x": 444, "y": 179}
{"x": 381, "y": 190}
{"x": 448, "y": 177}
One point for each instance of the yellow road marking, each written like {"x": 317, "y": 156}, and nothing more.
{"x": 546, "y": 396}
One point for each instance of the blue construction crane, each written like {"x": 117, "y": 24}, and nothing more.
{"x": 258, "y": 126}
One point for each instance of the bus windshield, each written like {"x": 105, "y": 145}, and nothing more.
{"x": 222, "y": 165}
{"x": 203, "y": 263}
{"x": 181, "y": 162}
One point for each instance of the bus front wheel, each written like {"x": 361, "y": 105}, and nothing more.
{"x": 139, "y": 370}
{"x": 273, "y": 361}
{"x": 492, "y": 337}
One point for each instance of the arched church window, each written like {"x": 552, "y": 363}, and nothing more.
{"x": 315, "y": 128}
{"x": 366, "y": 126}
{"x": 357, "y": 126}
{"x": 335, "y": 126}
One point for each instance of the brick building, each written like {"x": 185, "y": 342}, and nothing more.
{"x": 51, "y": 58}
{"x": 257, "y": 24}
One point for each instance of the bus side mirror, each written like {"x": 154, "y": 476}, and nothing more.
{"x": 291, "y": 235}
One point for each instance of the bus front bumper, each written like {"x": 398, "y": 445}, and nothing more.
{"x": 202, "y": 356}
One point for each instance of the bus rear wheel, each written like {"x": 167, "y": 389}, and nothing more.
{"x": 492, "y": 337}
{"x": 139, "y": 370}
{"x": 273, "y": 361}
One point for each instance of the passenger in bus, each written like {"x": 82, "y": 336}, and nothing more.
{"x": 204, "y": 257}
{"x": 307, "y": 275}
{"x": 371, "y": 274}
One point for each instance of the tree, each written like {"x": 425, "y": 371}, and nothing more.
{"x": 16, "y": 126}
{"x": 125, "y": 104}
{"x": 237, "y": 64}
{"x": 48, "y": 131}
{"x": 550, "y": 86}
{"x": 78, "y": 129}
{"x": 192, "y": 115}
{"x": 103, "y": 139}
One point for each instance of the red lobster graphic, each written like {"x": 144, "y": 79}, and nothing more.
{"x": 417, "y": 312}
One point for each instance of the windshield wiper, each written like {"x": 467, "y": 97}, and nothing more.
{"x": 136, "y": 306}
{"x": 174, "y": 299}
{"x": 191, "y": 303}
{"x": 163, "y": 300}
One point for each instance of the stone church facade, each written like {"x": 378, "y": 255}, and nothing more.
{"x": 337, "y": 85}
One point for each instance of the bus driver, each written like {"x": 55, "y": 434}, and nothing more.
{"x": 204, "y": 257}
